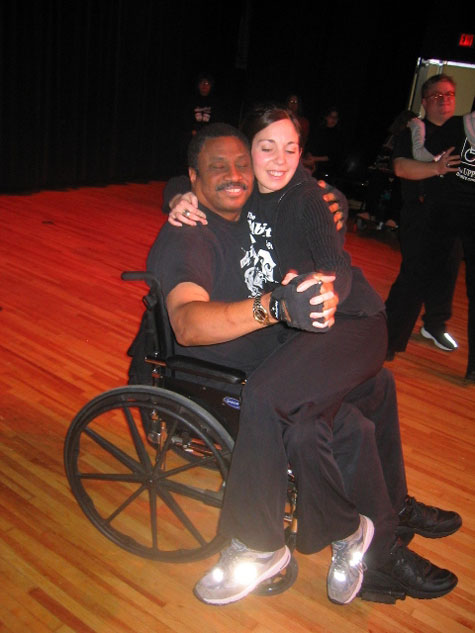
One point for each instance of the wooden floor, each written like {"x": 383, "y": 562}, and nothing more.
{"x": 66, "y": 320}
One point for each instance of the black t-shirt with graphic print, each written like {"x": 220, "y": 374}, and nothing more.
{"x": 458, "y": 187}
{"x": 231, "y": 264}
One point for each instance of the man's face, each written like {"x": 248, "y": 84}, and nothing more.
{"x": 439, "y": 102}
{"x": 224, "y": 179}
{"x": 332, "y": 118}
{"x": 204, "y": 87}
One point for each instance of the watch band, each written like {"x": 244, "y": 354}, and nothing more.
{"x": 259, "y": 313}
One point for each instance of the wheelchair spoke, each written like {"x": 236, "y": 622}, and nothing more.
{"x": 138, "y": 443}
{"x": 112, "y": 477}
{"x": 158, "y": 474}
{"x": 125, "y": 504}
{"x": 209, "y": 497}
{"x": 115, "y": 451}
{"x": 178, "y": 512}
{"x": 153, "y": 516}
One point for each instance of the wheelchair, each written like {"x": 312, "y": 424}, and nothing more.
{"x": 148, "y": 462}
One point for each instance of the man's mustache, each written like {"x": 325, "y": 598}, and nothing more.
{"x": 231, "y": 184}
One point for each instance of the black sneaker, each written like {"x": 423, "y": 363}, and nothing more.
{"x": 406, "y": 573}
{"x": 441, "y": 338}
{"x": 427, "y": 521}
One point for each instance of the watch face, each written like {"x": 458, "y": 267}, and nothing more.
{"x": 260, "y": 315}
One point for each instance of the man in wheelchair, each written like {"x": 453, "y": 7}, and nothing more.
{"x": 316, "y": 398}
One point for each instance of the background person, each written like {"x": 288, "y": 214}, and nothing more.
{"x": 326, "y": 147}
{"x": 429, "y": 265}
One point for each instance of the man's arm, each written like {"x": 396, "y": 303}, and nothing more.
{"x": 411, "y": 169}
{"x": 198, "y": 321}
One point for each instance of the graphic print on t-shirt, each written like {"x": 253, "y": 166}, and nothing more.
{"x": 258, "y": 262}
{"x": 467, "y": 162}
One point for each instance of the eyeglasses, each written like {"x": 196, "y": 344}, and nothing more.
{"x": 438, "y": 96}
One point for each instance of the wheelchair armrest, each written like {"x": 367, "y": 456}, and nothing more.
{"x": 202, "y": 368}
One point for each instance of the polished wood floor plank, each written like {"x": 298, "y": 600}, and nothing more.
{"x": 66, "y": 320}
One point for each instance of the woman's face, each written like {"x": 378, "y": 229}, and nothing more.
{"x": 275, "y": 155}
{"x": 332, "y": 118}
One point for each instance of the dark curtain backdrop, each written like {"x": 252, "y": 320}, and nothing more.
{"x": 94, "y": 91}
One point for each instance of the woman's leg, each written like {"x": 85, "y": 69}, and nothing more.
{"x": 301, "y": 383}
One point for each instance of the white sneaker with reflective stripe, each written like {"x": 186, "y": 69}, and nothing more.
{"x": 238, "y": 572}
{"x": 345, "y": 575}
{"x": 442, "y": 339}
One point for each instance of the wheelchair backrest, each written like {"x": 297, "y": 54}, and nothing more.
{"x": 155, "y": 337}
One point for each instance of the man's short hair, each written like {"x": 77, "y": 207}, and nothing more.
{"x": 213, "y": 130}
{"x": 435, "y": 80}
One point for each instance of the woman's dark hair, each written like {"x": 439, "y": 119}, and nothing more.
{"x": 261, "y": 116}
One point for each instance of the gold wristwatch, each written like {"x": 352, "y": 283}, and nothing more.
{"x": 259, "y": 312}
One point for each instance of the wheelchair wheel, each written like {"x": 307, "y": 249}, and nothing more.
{"x": 127, "y": 459}
{"x": 280, "y": 582}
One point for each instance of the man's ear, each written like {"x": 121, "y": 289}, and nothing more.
{"x": 193, "y": 174}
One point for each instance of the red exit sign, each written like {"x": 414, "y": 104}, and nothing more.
{"x": 466, "y": 39}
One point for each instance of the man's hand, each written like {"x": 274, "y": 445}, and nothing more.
{"x": 184, "y": 210}
{"x": 295, "y": 294}
{"x": 333, "y": 205}
{"x": 447, "y": 162}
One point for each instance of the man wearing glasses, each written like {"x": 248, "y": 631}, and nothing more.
{"x": 430, "y": 257}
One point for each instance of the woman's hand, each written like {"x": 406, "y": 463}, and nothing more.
{"x": 333, "y": 205}
{"x": 184, "y": 210}
{"x": 326, "y": 297}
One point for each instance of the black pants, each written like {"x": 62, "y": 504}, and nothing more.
{"x": 367, "y": 448}
{"x": 460, "y": 225}
{"x": 468, "y": 242}
{"x": 288, "y": 413}
{"x": 427, "y": 276}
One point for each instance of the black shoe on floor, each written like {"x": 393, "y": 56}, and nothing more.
{"x": 441, "y": 338}
{"x": 427, "y": 521}
{"x": 406, "y": 573}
